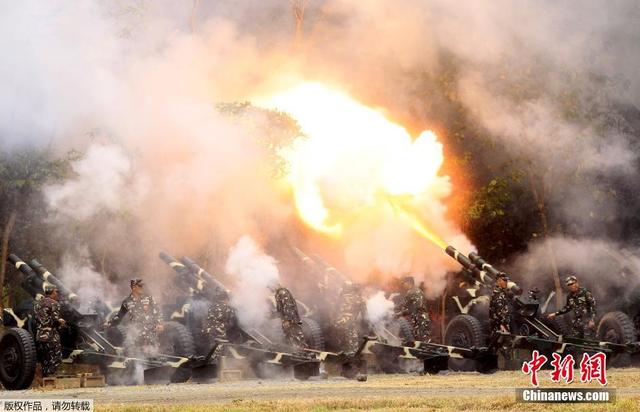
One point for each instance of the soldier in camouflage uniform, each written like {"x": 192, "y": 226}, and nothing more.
{"x": 352, "y": 313}
{"x": 49, "y": 321}
{"x": 144, "y": 316}
{"x": 287, "y": 310}
{"x": 220, "y": 318}
{"x": 581, "y": 302}
{"x": 414, "y": 309}
{"x": 499, "y": 307}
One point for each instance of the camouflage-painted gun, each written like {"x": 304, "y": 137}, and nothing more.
{"x": 82, "y": 341}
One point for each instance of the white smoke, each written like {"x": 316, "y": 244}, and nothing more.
{"x": 608, "y": 269}
{"x": 254, "y": 272}
{"x": 80, "y": 277}
{"x": 102, "y": 183}
{"x": 379, "y": 308}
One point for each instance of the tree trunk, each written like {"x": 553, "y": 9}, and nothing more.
{"x": 538, "y": 194}
{"x": 192, "y": 20}
{"x": 4, "y": 252}
{"x": 298, "y": 7}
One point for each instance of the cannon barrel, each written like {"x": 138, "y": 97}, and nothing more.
{"x": 482, "y": 264}
{"x": 188, "y": 279}
{"x": 480, "y": 269}
{"x": 469, "y": 266}
{"x": 31, "y": 282}
{"x": 204, "y": 275}
{"x": 47, "y": 276}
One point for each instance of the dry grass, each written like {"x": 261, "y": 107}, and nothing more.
{"x": 503, "y": 403}
{"x": 451, "y": 392}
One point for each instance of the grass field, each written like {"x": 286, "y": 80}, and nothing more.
{"x": 443, "y": 392}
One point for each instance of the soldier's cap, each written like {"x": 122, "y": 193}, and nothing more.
{"x": 136, "y": 282}
{"x": 409, "y": 279}
{"x": 503, "y": 275}
{"x": 49, "y": 289}
{"x": 570, "y": 280}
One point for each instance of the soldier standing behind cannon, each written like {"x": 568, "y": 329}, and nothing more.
{"x": 220, "y": 318}
{"x": 287, "y": 310}
{"x": 144, "y": 316}
{"x": 499, "y": 308}
{"x": 581, "y": 302}
{"x": 414, "y": 308}
{"x": 351, "y": 314}
{"x": 49, "y": 321}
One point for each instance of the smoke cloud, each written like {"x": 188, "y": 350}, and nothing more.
{"x": 379, "y": 308}
{"x": 171, "y": 172}
{"x": 253, "y": 272}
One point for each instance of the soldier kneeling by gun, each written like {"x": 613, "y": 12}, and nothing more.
{"x": 48, "y": 322}
{"x": 146, "y": 320}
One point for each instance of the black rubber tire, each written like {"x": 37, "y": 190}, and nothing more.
{"x": 559, "y": 325}
{"x": 464, "y": 331}
{"x": 403, "y": 328}
{"x": 306, "y": 370}
{"x": 176, "y": 340}
{"x": 313, "y": 334}
{"x": 116, "y": 335}
{"x": 17, "y": 344}
{"x": 617, "y": 327}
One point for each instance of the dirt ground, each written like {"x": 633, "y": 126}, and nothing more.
{"x": 445, "y": 391}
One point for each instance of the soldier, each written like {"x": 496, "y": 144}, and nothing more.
{"x": 220, "y": 318}
{"x": 144, "y": 316}
{"x": 287, "y": 309}
{"x": 49, "y": 321}
{"x": 499, "y": 310}
{"x": 352, "y": 313}
{"x": 414, "y": 308}
{"x": 581, "y": 302}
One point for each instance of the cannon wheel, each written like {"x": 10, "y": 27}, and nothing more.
{"x": 405, "y": 331}
{"x": 464, "y": 331}
{"x": 176, "y": 340}
{"x": 617, "y": 327}
{"x": 559, "y": 325}
{"x": 312, "y": 334}
{"x": 304, "y": 371}
{"x": 17, "y": 359}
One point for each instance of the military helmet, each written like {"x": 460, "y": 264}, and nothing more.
{"x": 49, "y": 289}
{"x": 570, "y": 280}
{"x": 409, "y": 279}
{"x": 136, "y": 282}
{"x": 503, "y": 275}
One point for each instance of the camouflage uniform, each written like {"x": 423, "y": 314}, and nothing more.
{"x": 583, "y": 306}
{"x": 144, "y": 316}
{"x": 351, "y": 314}
{"x": 414, "y": 307}
{"x": 499, "y": 311}
{"x": 288, "y": 311}
{"x": 220, "y": 318}
{"x": 48, "y": 319}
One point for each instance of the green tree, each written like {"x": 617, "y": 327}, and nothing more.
{"x": 22, "y": 174}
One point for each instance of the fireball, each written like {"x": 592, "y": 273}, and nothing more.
{"x": 354, "y": 161}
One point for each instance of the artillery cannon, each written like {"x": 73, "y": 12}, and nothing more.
{"x": 391, "y": 344}
{"x": 258, "y": 347}
{"x": 529, "y": 330}
{"x": 84, "y": 343}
